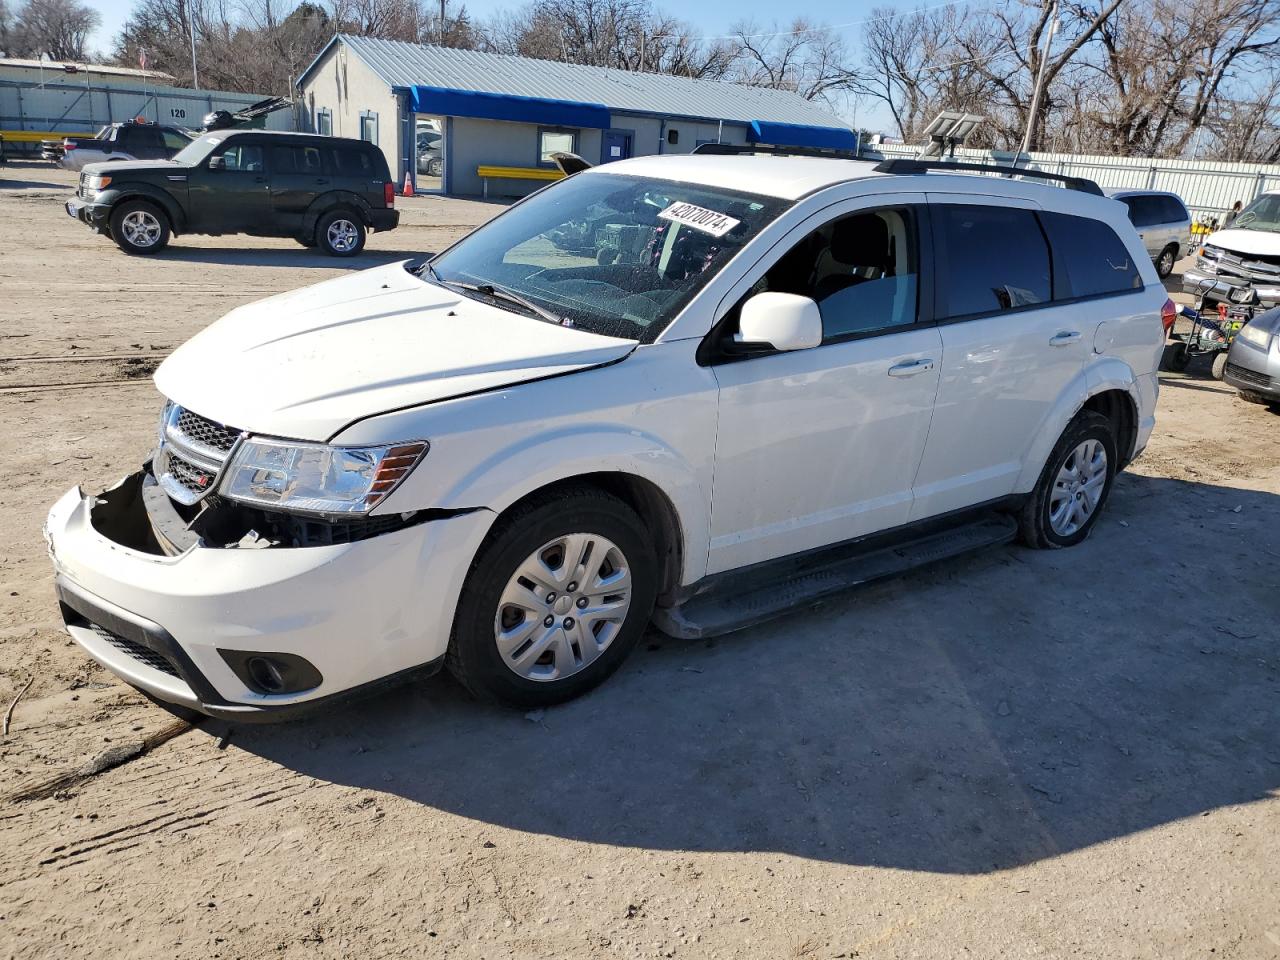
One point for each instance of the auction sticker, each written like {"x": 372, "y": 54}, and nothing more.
{"x": 700, "y": 218}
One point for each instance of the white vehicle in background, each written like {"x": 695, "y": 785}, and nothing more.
{"x": 124, "y": 141}
{"x": 698, "y": 390}
{"x": 1163, "y": 224}
{"x": 1241, "y": 264}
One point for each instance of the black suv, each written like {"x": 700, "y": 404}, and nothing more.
{"x": 322, "y": 191}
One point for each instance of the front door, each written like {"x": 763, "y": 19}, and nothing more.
{"x": 614, "y": 145}
{"x": 234, "y": 195}
{"x": 1008, "y": 352}
{"x": 818, "y": 446}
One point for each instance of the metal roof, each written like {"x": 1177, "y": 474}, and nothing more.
{"x": 403, "y": 64}
{"x": 67, "y": 66}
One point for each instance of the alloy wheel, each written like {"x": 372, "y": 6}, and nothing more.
{"x": 141, "y": 228}
{"x": 563, "y": 607}
{"x": 343, "y": 235}
{"x": 1078, "y": 488}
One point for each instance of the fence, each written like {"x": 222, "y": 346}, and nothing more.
{"x": 1207, "y": 187}
{"x": 80, "y": 104}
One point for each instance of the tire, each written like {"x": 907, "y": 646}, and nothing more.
{"x": 1041, "y": 524}
{"x": 435, "y": 167}
{"x": 1175, "y": 358}
{"x": 543, "y": 660}
{"x": 1219, "y": 365}
{"x": 1250, "y": 397}
{"x": 340, "y": 233}
{"x": 139, "y": 227}
{"x": 1168, "y": 257}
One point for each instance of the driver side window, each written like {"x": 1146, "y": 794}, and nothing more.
{"x": 243, "y": 158}
{"x": 861, "y": 269}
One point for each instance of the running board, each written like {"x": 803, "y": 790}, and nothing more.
{"x": 743, "y": 599}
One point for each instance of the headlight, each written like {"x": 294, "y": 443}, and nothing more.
{"x": 318, "y": 478}
{"x": 98, "y": 182}
{"x": 1254, "y": 335}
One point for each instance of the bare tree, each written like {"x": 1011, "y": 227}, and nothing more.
{"x": 57, "y": 29}
{"x": 805, "y": 58}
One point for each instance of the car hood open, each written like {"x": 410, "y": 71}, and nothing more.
{"x": 1249, "y": 242}
{"x": 305, "y": 364}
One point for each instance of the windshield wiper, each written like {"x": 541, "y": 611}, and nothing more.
{"x": 496, "y": 292}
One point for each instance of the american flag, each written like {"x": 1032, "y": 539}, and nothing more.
{"x": 142, "y": 58}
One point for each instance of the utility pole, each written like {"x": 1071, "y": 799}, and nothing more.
{"x": 191, "y": 26}
{"x": 1044, "y": 63}
{"x": 442, "y": 3}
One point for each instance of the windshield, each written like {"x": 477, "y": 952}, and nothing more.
{"x": 611, "y": 254}
{"x": 197, "y": 150}
{"x": 1262, "y": 214}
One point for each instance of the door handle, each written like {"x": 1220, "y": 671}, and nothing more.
{"x": 910, "y": 368}
{"x": 1064, "y": 337}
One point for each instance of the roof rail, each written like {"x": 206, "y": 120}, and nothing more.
{"x": 923, "y": 166}
{"x": 735, "y": 149}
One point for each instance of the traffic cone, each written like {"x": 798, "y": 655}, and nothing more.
{"x": 408, "y": 187}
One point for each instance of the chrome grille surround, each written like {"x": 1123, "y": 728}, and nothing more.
{"x": 1235, "y": 267}
{"x": 193, "y": 450}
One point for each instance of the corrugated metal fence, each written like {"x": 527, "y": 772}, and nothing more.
{"x": 1206, "y": 186}
{"x": 79, "y": 105}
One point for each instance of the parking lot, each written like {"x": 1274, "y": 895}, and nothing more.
{"x": 1022, "y": 753}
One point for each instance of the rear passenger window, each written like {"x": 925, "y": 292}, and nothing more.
{"x": 352, "y": 161}
{"x": 304, "y": 160}
{"x": 1095, "y": 260}
{"x": 997, "y": 258}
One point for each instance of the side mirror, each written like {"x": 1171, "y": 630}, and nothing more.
{"x": 218, "y": 163}
{"x": 778, "y": 321}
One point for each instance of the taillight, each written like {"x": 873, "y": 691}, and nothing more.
{"x": 389, "y": 194}
{"x": 1168, "y": 314}
{"x": 68, "y": 145}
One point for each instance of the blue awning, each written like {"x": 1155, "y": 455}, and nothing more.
{"x": 802, "y": 135}
{"x": 502, "y": 106}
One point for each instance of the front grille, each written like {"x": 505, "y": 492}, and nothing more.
{"x": 195, "y": 479}
{"x": 137, "y": 651}
{"x": 205, "y": 432}
{"x": 1249, "y": 376}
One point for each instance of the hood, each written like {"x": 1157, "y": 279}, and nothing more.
{"x": 115, "y": 166}
{"x": 1249, "y": 242}
{"x": 305, "y": 364}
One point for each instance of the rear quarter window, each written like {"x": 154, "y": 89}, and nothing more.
{"x": 1095, "y": 260}
{"x": 352, "y": 161}
{"x": 997, "y": 259}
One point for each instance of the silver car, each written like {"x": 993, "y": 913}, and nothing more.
{"x": 1163, "y": 224}
{"x": 1253, "y": 364}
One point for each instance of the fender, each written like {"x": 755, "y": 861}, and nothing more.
{"x": 1104, "y": 373}
{"x": 334, "y": 198}
{"x": 119, "y": 192}
{"x": 547, "y": 458}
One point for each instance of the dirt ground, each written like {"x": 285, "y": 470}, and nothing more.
{"x": 1022, "y": 754}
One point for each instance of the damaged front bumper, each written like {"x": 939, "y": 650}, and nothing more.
{"x": 254, "y": 628}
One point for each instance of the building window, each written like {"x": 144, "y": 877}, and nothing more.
{"x": 673, "y": 137}
{"x": 369, "y": 127}
{"x": 324, "y": 122}
{"x": 555, "y": 141}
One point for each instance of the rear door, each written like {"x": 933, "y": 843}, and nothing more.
{"x": 1008, "y": 352}
{"x": 356, "y": 168}
{"x": 298, "y": 176}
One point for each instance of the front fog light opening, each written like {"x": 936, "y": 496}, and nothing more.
{"x": 272, "y": 673}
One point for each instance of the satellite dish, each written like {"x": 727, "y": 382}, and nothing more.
{"x": 948, "y": 130}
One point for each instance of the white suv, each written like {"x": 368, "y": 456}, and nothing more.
{"x": 695, "y": 390}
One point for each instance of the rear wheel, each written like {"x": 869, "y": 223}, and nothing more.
{"x": 139, "y": 227}
{"x": 558, "y": 596}
{"x": 1219, "y": 365}
{"x": 340, "y": 233}
{"x": 1176, "y": 357}
{"x": 1164, "y": 263}
{"x": 1074, "y": 485}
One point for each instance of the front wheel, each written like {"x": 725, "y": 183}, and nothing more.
{"x": 340, "y": 234}
{"x": 1073, "y": 487}
{"x": 558, "y": 596}
{"x": 139, "y": 227}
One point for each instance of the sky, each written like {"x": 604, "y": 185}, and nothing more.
{"x": 711, "y": 17}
